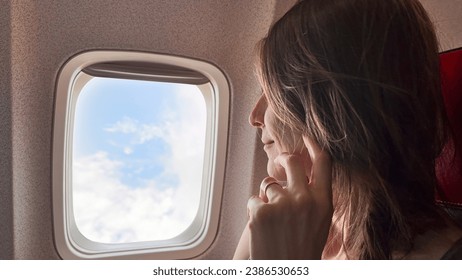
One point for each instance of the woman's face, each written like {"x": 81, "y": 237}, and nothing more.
{"x": 275, "y": 138}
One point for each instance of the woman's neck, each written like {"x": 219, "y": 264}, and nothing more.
{"x": 334, "y": 249}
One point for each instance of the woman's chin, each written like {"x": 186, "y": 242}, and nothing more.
{"x": 277, "y": 172}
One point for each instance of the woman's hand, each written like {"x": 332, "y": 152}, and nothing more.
{"x": 293, "y": 222}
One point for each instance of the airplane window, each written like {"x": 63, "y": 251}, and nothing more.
{"x": 137, "y": 159}
{"x": 139, "y": 151}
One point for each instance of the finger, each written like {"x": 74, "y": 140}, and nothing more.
{"x": 253, "y": 205}
{"x": 321, "y": 171}
{"x": 273, "y": 191}
{"x": 295, "y": 171}
{"x": 264, "y": 185}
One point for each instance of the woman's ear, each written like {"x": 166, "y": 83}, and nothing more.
{"x": 307, "y": 158}
{"x": 321, "y": 162}
{"x": 312, "y": 150}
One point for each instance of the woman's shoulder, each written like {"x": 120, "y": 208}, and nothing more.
{"x": 438, "y": 244}
{"x": 455, "y": 252}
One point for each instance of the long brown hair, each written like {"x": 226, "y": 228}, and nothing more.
{"x": 361, "y": 77}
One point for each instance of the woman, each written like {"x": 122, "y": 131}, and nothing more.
{"x": 352, "y": 119}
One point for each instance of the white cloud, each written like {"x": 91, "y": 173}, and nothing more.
{"x": 108, "y": 210}
{"x": 128, "y": 150}
{"x": 126, "y": 125}
{"x": 141, "y": 133}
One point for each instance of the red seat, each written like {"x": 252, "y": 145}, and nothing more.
{"x": 449, "y": 164}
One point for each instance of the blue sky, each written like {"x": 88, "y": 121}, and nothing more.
{"x": 103, "y": 103}
{"x": 137, "y": 159}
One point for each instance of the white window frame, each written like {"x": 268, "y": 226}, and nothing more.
{"x": 70, "y": 243}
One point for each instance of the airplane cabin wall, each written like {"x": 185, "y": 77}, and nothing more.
{"x": 38, "y": 37}
{"x": 6, "y": 191}
{"x": 447, "y": 18}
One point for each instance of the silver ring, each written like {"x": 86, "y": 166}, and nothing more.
{"x": 269, "y": 184}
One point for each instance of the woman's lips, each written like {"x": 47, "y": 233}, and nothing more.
{"x": 268, "y": 145}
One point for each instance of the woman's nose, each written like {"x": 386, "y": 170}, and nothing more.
{"x": 257, "y": 115}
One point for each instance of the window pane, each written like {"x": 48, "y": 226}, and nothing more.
{"x": 138, "y": 151}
